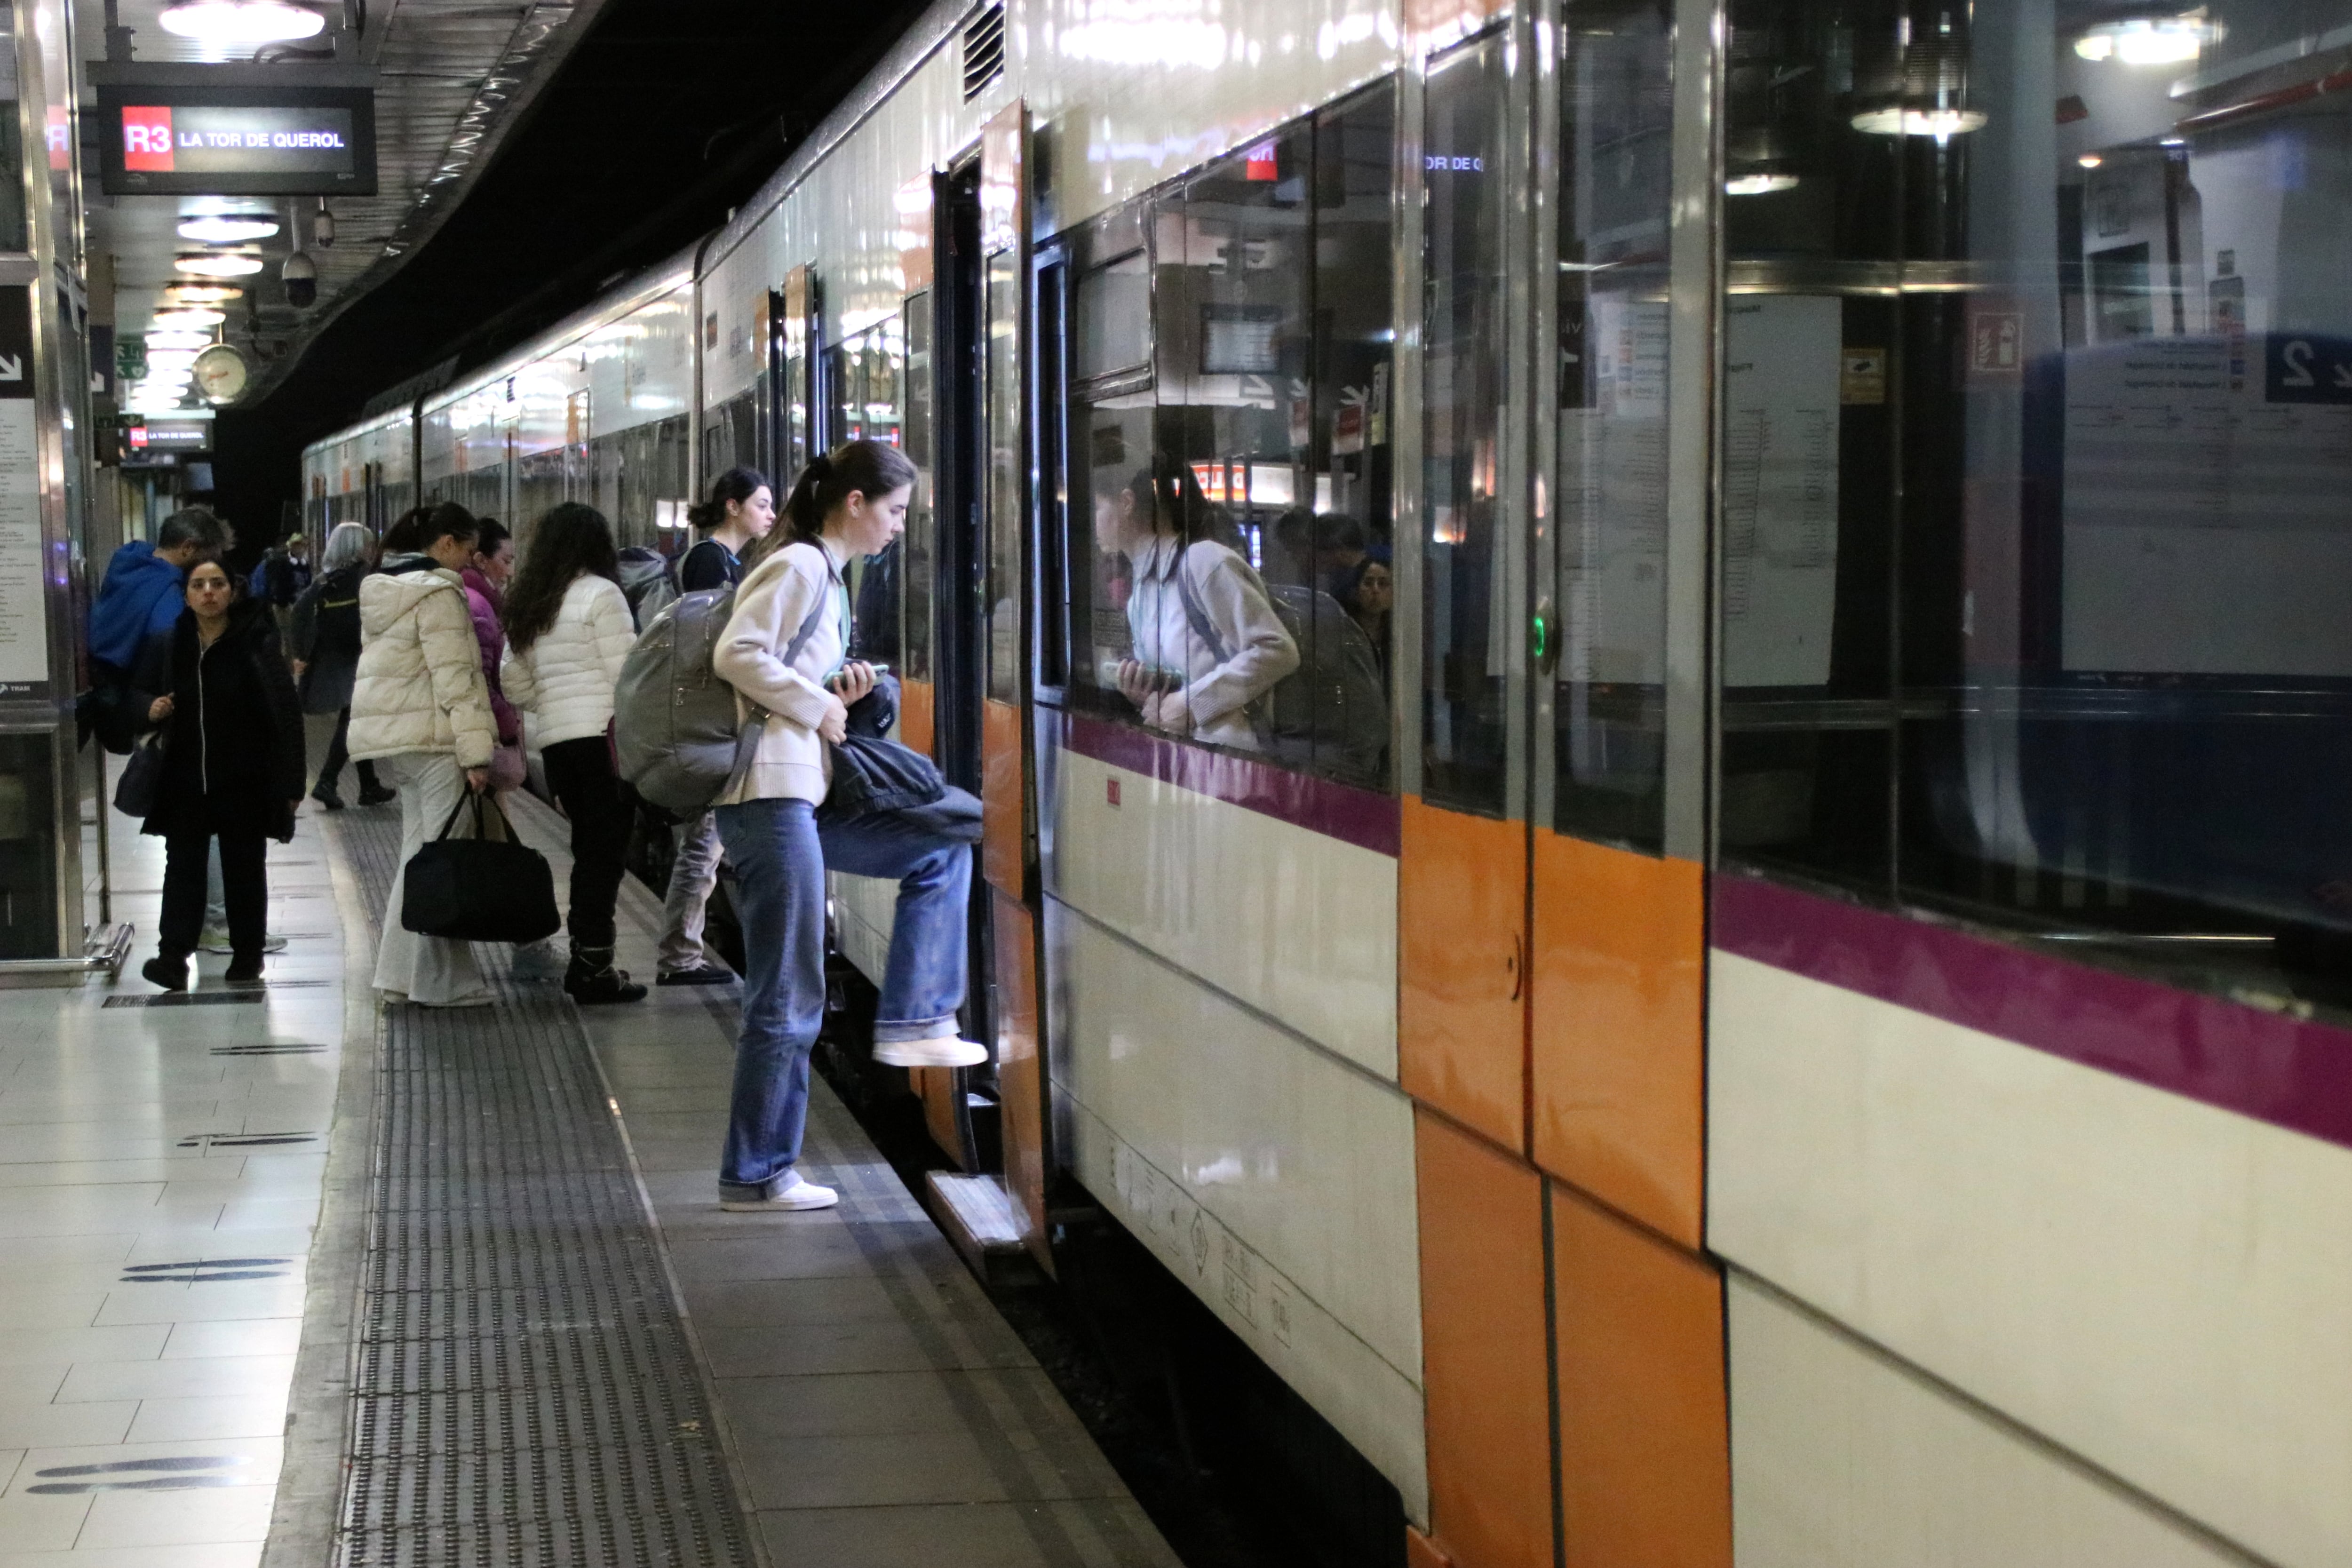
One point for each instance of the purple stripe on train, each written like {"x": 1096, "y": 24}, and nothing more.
{"x": 2287, "y": 1072}
{"x": 1357, "y": 816}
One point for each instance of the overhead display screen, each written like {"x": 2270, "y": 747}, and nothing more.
{"x": 220, "y": 141}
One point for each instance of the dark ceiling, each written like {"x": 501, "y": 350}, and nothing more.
{"x": 668, "y": 115}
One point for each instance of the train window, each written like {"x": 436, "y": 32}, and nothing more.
{"x": 1224, "y": 497}
{"x": 2037, "y": 446}
{"x": 863, "y": 385}
{"x": 1113, "y": 318}
{"x": 1002, "y": 304}
{"x": 920, "y": 541}
{"x": 1608, "y": 600}
{"x": 1466, "y": 615}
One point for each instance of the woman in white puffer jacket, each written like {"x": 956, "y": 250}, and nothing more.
{"x": 419, "y": 707}
{"x": 568, "y": 630}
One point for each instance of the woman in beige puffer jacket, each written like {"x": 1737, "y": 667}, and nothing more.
{"x": 419, "y": 706}
{"x": 567, "y": 631}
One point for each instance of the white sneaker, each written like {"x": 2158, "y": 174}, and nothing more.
{"x": 802, "y": 1193}
{"x": 216, "y": 940}
{"x": 946, "y": 1051}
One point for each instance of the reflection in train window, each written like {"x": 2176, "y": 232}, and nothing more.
{"x": 919, "y": 547}
{"x": 1465, "y": 612}
{"x": 862, "y": 380}
{"x": 2037, "y": 474}
{"x": 1609, "y": 603}
{"x": 1227, "y": 470}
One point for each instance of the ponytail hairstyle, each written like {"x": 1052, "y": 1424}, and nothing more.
{"x": 738, "y": 484}
{"x": 572, "y": 540}
{"x": 870, "y": 468}
{"x": 1168, "y": 492}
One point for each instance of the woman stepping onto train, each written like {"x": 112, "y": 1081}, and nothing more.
{"x": 783, "y": 651}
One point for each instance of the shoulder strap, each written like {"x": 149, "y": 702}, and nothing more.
{"x": 1195, "y": 614}
{"x": 808, "y": 630}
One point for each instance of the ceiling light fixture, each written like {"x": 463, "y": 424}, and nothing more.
{"x": 1759, "y": 184}
{"x": 230, "y": 22}
{"x": 1940, "y": 124}
{"x": 219, "y": 266}
{"x": 2090, "y": 160}
{"x": 2145, "y": 41}
{"x": 228, "y": 228}
{"x": 200, "y": 294}
{"x": 178, "y": 339}
{"x": 170, "y": 319}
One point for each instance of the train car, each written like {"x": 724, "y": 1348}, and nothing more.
{"x": 365, "y": 474}
{"x": 1658, "y": 692}
{"x": 596, "y": 409}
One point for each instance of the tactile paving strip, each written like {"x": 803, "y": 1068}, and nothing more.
{"x": 524, "y": 1392}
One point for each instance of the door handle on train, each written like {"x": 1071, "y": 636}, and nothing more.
{"x": 1517, "y": 966}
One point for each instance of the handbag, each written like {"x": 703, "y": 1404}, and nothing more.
{"x": 482, "y": 888}
{"x": 138, "y": 791}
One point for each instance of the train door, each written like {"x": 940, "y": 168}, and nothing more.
{"x": 1555, "y": 816}
{"x": 789, "y": 430}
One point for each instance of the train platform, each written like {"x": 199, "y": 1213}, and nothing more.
{"x": 303, "y": 1280}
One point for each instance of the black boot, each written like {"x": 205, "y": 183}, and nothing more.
{"x": 328, "y": 798}
{"x": 168, "y": 970}
{"x": 592, "y": 979}
{"x": 376, "y": 794}
{"x": 244, "y": 969}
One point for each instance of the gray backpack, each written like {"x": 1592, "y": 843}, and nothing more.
{"x": 673, "y": 726}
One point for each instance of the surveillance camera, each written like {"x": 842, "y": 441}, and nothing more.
{"x": 322, "y": 228}
{"x": 300, "y": 275}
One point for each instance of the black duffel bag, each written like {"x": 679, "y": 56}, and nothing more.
{"x": 141, "y": 786}
{"x": 483, "y": 888}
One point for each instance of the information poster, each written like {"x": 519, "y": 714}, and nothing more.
{"x": 24, "y": 619}
{"x": 1613, "y": 501}
{"x": 2207, "y": 518}
{"x": 1782, "y": 380}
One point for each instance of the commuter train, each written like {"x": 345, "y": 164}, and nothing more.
{"x": 1725, "y": 937}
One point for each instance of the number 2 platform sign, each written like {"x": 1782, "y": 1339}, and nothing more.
{"x": 2306, "y": 367}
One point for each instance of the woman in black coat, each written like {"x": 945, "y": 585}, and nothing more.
{"x": 218, "y": 687}
{"x": 326, "y": 647}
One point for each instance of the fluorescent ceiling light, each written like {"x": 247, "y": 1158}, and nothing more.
{"x": 200, "y": 294}
{"x": 2145, "y": 41}
{"x": 228, "y": 230}
{"x": 170, "y": 341}
{"x": 241, "y": 21}
{"x": 219, "y": 266}
{"x": 1939, "y": 124}
{"x": 171, "y": 318}
{"x": 1759, "y": 184}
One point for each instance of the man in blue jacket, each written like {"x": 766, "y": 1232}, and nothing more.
{"x": 139, "y": 596}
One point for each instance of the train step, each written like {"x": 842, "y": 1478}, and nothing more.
{"x": 979, "y": 1218}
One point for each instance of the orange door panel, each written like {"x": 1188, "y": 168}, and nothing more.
{"x": 1485, "y": 1374}
{"x": 1020, "y": 1068}
{"x": 1617, "y": 1057}
{"x": 1000, "y": 779}
{"x": 915, "y": 715}
{"x": 1461, "y": 925}
{"x": 1645, "y": 1453}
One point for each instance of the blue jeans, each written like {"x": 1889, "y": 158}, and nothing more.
{"x": 780, "y": 861}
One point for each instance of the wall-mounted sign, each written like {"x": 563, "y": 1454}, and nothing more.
{"x": 219, "y": 131}
{"x": 162, "y": 433}
{"x": 131, "y": 356}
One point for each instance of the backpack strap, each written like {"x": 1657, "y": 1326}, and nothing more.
{"x": 1196, "y": 615}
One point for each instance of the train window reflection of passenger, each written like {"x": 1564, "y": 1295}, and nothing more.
{"x": 1207, "y": 644}
{"x": 1368, "y": 593}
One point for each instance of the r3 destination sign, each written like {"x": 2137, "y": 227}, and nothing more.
{"x": 234, "y": 140}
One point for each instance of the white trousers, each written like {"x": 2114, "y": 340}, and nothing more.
{"x": 429, "y": 969}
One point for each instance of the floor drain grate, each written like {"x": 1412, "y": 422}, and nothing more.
{"x": 228, "y": 998}
{"x": 524, "y": 1392}
{"x": 268, "y": 1051}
